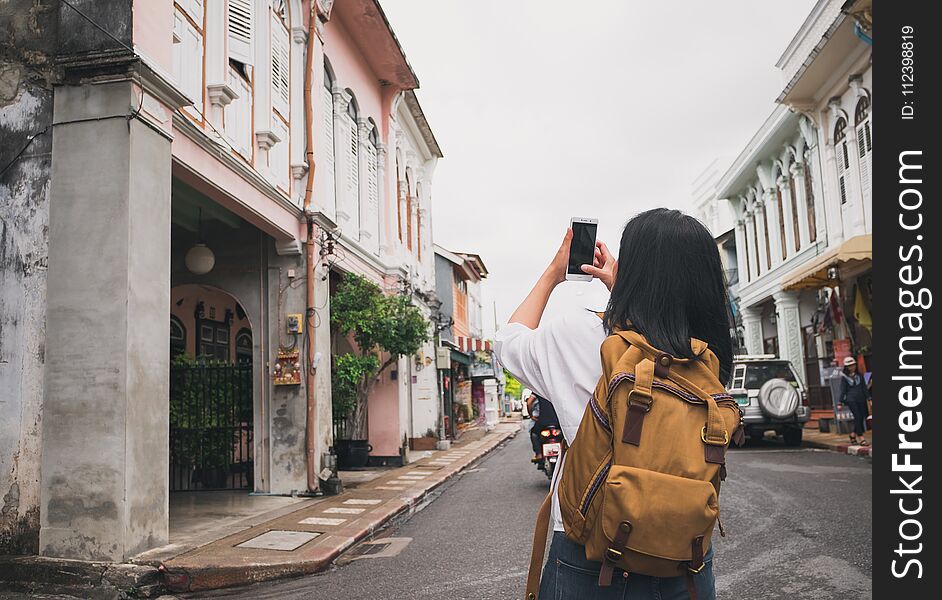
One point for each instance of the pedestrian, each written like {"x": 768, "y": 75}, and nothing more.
{"x": 668, "y": 283}
{"x": 854, "y": 395}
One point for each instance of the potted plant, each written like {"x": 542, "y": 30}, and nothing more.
{"x": 380, "y": 326}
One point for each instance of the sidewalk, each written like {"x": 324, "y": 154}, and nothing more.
{"x": 836, "y": 442}
{"x": 308, "y": 539}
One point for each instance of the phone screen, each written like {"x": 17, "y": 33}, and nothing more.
{"x": 582, "y": 250}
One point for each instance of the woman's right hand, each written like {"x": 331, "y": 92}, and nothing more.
{"x": 604, "y": 266}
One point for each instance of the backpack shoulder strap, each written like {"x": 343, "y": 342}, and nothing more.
{"x": 539, "y": 548}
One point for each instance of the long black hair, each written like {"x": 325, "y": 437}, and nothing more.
{"x": 670, "y": 286}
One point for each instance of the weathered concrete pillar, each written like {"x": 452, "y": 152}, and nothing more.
{"x": 752, "y": 326}
{"x": 105, "y": 439}
{"x": 790, "y": 345}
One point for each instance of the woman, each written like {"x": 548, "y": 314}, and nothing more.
{"x": 854, "y": 394}
{"x": 668, "y": 283}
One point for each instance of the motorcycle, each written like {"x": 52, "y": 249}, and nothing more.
{"x": 552, "y": 440}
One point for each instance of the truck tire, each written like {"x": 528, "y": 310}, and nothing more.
{"x": 792, "y": 436}
{"x": 778, "y": 399}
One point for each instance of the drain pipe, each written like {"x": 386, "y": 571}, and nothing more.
{"x": 310, "y": 429}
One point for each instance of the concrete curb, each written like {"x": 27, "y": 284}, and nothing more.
{"x": 841, "y": 448}
{"x": 192, "y": 579}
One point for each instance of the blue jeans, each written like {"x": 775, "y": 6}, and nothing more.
{"x": 567, "y": 575}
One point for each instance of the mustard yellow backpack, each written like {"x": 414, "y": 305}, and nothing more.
{"x": 640, "y": 483}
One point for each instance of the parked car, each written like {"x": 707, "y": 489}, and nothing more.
{"x": 770, "y": 395}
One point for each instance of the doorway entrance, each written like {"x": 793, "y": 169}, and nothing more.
{"x": 211, "y": 391}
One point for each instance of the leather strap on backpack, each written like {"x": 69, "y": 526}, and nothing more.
{"x": 639, "y": 402}
{"x": 614, "y": 553}
{"x": 539, "y": 548}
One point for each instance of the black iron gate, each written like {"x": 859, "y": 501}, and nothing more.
{"x": 211, "y": 429}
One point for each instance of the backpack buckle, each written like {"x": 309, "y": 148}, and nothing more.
{"x": 703, "y": 437}
{"x": 613, "y": 554}
{"x": 643, "y": 399}
{"x": 698, "y": 569}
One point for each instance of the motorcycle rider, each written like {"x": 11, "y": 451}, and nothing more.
{"x": 542, "y": 412}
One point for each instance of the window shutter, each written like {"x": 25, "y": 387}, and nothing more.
{"x": 353, "y": 167}
{"x": 194, "y": 8}
{"x": 280, "y": 67}
{"x": 241, "y": 30}
{"x": 193, "y": 66}
{"x": 864, "y": 147}
{"x": 239, "y": 116}
{"x": 372, "y": 184}
{"x": 278, "y": 157}
{"x": 842, "y": 164}
{"x": 327, "y": 111}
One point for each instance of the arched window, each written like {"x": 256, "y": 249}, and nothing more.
{"x": 244, "y": 347}
{"x": 372, "y": 183}
{"x": 809, "y": 198}
{"x": 781, "y": 221}
{"x": 841, "y": 156}
{"x": 177, "y": 337}
{"x": 864, "y": 145}
{"x": 327, "y": 129}
{"x": 280, "y": 59}
{"x": 791, "y": 194}
{"x": 352, "y": 153}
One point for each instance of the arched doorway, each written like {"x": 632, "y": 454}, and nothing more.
{"x": 211, "y": 391}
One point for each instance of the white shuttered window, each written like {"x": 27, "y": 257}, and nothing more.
{"x": 239, "y": 116}
{"x": 241, "y": 26}
{"x": 864, "y": 147}
{"x": 327, "y": 127}
{"x": 188, "y": 58}
{"x": 278, "y": 155}
{"x": 352, "y": 159}
{"x": 841, "y": 157}
{"x": 280, "y": 67}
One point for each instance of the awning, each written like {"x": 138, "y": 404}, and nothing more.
{"x": 850, "y": 257}
{"x": 469, "y": 344}
{"x": 460, "y": 357}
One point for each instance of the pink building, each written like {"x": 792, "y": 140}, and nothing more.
{"x": 175, "y": 196}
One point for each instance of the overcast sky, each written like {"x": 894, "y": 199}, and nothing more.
{"x": 548, "y": 110}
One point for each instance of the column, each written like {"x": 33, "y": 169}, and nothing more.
{"x": 752, "y": 324}
{"x": 383, "y": 215}
{"x": 751, "y": 247}
{"x": 761, "y": 241}
{"x": 801, "y": 199}
{"x": 789, "y": 330}
{"x": 741, "y": 252}
{"x": 790, "y": 242}
{"x": 104, "y": 486}
{"x": 775, "y": 227}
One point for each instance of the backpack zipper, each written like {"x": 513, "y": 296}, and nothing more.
{"x": 594, "y": 487}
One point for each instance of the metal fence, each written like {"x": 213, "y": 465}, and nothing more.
{"x": 211, "y": 427}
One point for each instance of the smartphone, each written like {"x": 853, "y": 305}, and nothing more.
{"x": 582, "y": 249}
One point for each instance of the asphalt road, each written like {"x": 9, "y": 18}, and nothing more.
{"x": 797, "y": 522}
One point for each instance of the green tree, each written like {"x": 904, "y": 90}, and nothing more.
{"x": 512, "y": 387}
{"x": 379, "y": 324}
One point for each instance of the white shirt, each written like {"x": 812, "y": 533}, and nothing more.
{"x": 558, "y": 360}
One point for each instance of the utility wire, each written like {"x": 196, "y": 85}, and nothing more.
{"x": 97, "y": 26}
